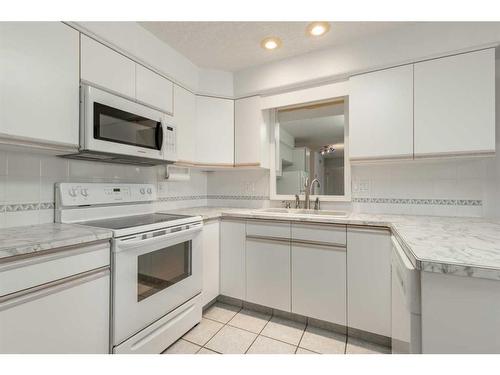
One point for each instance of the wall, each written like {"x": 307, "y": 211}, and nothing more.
{"x": 27, "y": 184}
{"x": 393, "y": 47}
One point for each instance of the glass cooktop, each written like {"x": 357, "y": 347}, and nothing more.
{"x": 132, "y": 221}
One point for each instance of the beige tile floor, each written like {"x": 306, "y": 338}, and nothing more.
{"x": 227, "y": 329}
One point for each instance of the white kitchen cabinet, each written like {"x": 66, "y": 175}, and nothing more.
{"x": 214, "y": 131}
{"x": 39, "y": 82}
{"x": 251, "y": 133}
{"x": 381, "y": 114}
{"x": 211, "y": 261}
{"x": 185, "y": 119}
{"x": 107, "y": 69}
{"x": 154, "y": 90}
{"x": 268, "y": 265}
{"x": 319, "y": 281}
{"x": 369, "y": 280}
{"x": 232, "y": 258}
{"x": 460, "y": 314}
{"x": 70, "y": 318}
{"x": 455, "y": 104}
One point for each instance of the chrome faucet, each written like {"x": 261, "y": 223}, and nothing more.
{"x": 308, "y": 189}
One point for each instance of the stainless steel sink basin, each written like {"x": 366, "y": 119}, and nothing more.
{"x": 291, "y": 211}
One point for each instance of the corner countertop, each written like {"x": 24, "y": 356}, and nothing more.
{"x": 461, "y": 246}
{"x": 35, "y": 239}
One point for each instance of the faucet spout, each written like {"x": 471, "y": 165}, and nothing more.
{"x": 309, "y": 188}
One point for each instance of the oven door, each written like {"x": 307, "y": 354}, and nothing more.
{"x": 153, "y": 273}
{"x": 112, "y": 124}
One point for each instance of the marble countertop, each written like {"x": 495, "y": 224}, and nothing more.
{"x": 33, "y": 239}
{"x": 453, "y": 245}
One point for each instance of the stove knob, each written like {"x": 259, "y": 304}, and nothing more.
{"x": 72, "y": 192}
{"x": 150, "y": 191}
{"x": 84, "y": 192}
{"x": 142, "y": 191}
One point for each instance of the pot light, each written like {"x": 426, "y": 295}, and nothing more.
{"x": 271, "y": 43}
{"x": 318, "y": 28}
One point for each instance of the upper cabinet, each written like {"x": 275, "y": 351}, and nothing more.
{"x": 438, "y": 107}
{"x": 214, "y": 131}
{"x": 251, "y": 135}
{"x": 154, "y": 90}
{"x": 185, "y": 121}
{"x": 106, "y": 68}
{"x": 39, "y": 77}
{"x": 381, "y": 114}
{"x": 103, "y": 67}
{"x": 455, "y": 104}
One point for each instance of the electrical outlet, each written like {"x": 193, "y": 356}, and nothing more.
{"x": 364, "y": 186}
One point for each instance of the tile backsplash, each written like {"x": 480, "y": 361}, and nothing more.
{"x": 456, "y": 187}
{"x": 27, "y": 184}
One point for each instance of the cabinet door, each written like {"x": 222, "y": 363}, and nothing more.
{"x": 185, "y": 118}
{"x": 214, "y": 131}
{"x": 71, "y": 318}
{"x": 381, "y": 114}
{"x": 455, "y": 104}
{"x": 211, "y": 259}
{"x": 369, "y": 280}
{"x": 103, "y": 67}
{"x": 251, "y": 140}
{"x": 268, "y": 272}
{"x": 154, "y": 90}
{"x": 39, "y": 78}
{"x": 319, "y": 282}
{"x": 232, "y": 259}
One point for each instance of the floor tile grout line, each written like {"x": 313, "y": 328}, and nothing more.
{"x": 302, "y": 336}
{"x": 259, "y": 334}
{"x": 211, "y": 337}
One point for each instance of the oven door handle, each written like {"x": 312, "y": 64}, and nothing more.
{"x": 133, "y": 242}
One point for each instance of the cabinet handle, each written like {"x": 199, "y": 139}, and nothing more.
{"x": 268, "y": 238}
{"x": 52, "y": 287}
{"x": 333, "y": 246}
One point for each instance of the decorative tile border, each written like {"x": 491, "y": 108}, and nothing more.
{"x": 436, "y": 202}
{"x": 212, "y": 196}
{"x": 19, "y": 207}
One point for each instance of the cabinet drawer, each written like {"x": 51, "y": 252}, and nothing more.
{"x": 38, "y": 270}
{"x": 331, "y": 234}
{"x": 268, "y": 229}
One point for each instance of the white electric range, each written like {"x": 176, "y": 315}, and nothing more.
{"x": 156, "y": 261}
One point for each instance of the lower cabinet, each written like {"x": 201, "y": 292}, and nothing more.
{"x": 232, "y": 258}
{"x": 319, "y": 282}
{"x": 268, "y": 272}
{"x": 369, "y": 280}
{"x": 69, "y": 318}
{"x": 211, "y": 259}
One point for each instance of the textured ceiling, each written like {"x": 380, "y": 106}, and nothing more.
{"x": 234, "y": 46}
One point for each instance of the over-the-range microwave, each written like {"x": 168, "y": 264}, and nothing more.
{"x": 118, "y": 130}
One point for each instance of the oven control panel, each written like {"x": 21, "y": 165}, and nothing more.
{"x": 86, "y": 194}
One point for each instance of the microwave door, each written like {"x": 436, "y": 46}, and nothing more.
{"x": 118, "y": 126}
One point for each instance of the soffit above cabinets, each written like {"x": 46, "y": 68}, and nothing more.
{"x": 233, "y": 46}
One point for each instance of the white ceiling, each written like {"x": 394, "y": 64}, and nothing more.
{"x": 233, "y": 46}
{"x": 316, "y": 131}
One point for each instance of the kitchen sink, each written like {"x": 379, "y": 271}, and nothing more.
{"x": 299, "y": 211}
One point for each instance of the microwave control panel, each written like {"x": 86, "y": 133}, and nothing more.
{"x": 169, "y": 142}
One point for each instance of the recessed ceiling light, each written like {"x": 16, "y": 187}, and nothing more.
{"x": 271, "y": 43}
{"x": 318, "y": 28}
